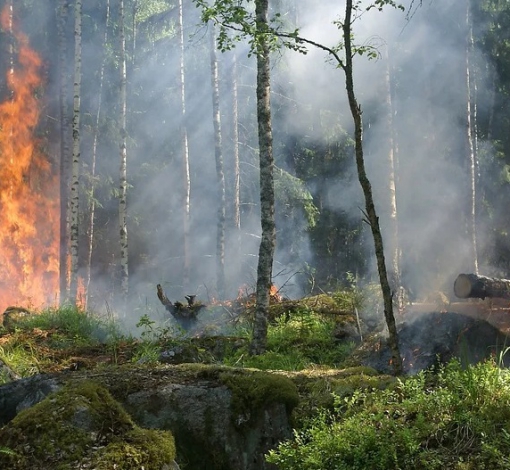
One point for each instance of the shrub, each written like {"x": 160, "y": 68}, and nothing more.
{"x": 453, "y": 418}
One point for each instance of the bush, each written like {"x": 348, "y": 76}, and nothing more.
{"x": 453, "y": 418}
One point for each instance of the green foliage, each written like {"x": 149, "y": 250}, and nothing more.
{"x": 149, "y": 348}
{"x": 454, "y": 418}
{"x": 298, "y": 341}
{"x": 237, "y": 22}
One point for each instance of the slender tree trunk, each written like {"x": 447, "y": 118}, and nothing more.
{"x": 392, "y": 191}
{"x": 220, "y": 234}
{"x": 185, "y": 156}
{"x": 371, "y": 213}
{"x": 75, "y": 168}
{"x": 266, "y": 162}
{"x": 237, "y": 171}
{"x": 470, "y": 136}
{"x": 64, "y": 262}
{"x": 124, "y": 271}
{"x": 92, "y": 204}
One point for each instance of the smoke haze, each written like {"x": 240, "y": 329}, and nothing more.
{"x": 425, "y": 56}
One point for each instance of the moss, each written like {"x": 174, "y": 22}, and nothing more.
{"x": 139, "y": 448}
{"x": 78, "y": 424}
{"x": 252, "y": 390}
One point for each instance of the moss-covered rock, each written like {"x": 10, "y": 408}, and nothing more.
{"x": 82, "y": 426}
{"x": 254, "y": 390}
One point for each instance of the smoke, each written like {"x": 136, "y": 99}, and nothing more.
{"x": 424, "y": 55}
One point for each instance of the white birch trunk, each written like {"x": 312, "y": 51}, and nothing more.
{"x": 123, "y": 232}
{"x": 220, "y": 175}
{"x": 92, "y": 204}
{"x": 75, "y": 166}
{"x": 185, "y": 156}
{"x": 64, "y": 261}
{"x": 471, "y": 147}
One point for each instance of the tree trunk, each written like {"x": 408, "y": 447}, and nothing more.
{"x": 237, "y": 172}
{"x": 266, "y": 162}
{"x": 471, "y": 146}
{"x": 373, "y": 219}
{"x": 92, "y": 203}
{"x": 185, "y": 156}
{"x": 64, "y": 154}
{"x": 479, "y": 287}
{"x": 392, "y": 192}
{"x": 75, "y": 168}
{"x": 124, "y": 271}
{"x": 220, "y": 234}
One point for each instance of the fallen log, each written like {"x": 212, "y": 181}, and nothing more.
{"x": 479, "y": 287}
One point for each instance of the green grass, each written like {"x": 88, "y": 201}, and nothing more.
{"x": 302, "y": 341}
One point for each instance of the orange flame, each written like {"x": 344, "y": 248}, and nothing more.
{"x": 29, "y": 206}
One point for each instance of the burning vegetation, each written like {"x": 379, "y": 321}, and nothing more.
{"x": 29, "y": 208}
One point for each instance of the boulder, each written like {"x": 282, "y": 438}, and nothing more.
{"x": 82, "y": 426}
{"x": 221, "y": 418}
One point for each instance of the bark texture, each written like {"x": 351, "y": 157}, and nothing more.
{"x": 266, "y": 163}
{"x": 220, "y": 175}
{"x": 64, "y": 153}
{"x": 124, "y": 271}
{"x": 75, "y": 167}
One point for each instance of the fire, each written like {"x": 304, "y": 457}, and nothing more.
{"x": 29, "y": 205}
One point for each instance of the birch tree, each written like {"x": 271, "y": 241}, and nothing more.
{"x": 186, "y": 195}
{"x": 124, "y": 272}
{"x": 92, "y": 203}
{"x": 220, "y": 175}
{"x": 75, "y": 167}
{"x": 64, "y": 151}
{"x": 470, "y": 140}
{"x": 392, "y": 189}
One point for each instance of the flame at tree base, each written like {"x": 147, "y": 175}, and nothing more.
{"x": 29, "y": 198}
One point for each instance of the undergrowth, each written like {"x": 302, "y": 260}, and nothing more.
{"x": 452, "y": 418}
{"x": 298, "y": 342}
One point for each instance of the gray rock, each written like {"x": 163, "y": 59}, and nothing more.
{"x": 215, "y": 426}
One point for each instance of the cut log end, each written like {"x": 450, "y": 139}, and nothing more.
{"x": 480, "y": 287}
{"x": 463, "y": 286}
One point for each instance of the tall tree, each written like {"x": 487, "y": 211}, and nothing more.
{"x": 266, "y": 168}
{"x": 64, "y": 152}
{"x": 92, "y": 200}
{"x": 75, "y": 167}
{"x": 220, "y": 175}
{"x": 124, "y": 271}
{"x": 186, "y": 195}
{"x": 470, "y": 140}
{"x": 392, "y": 189}
{"x": 371, "y": 213}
